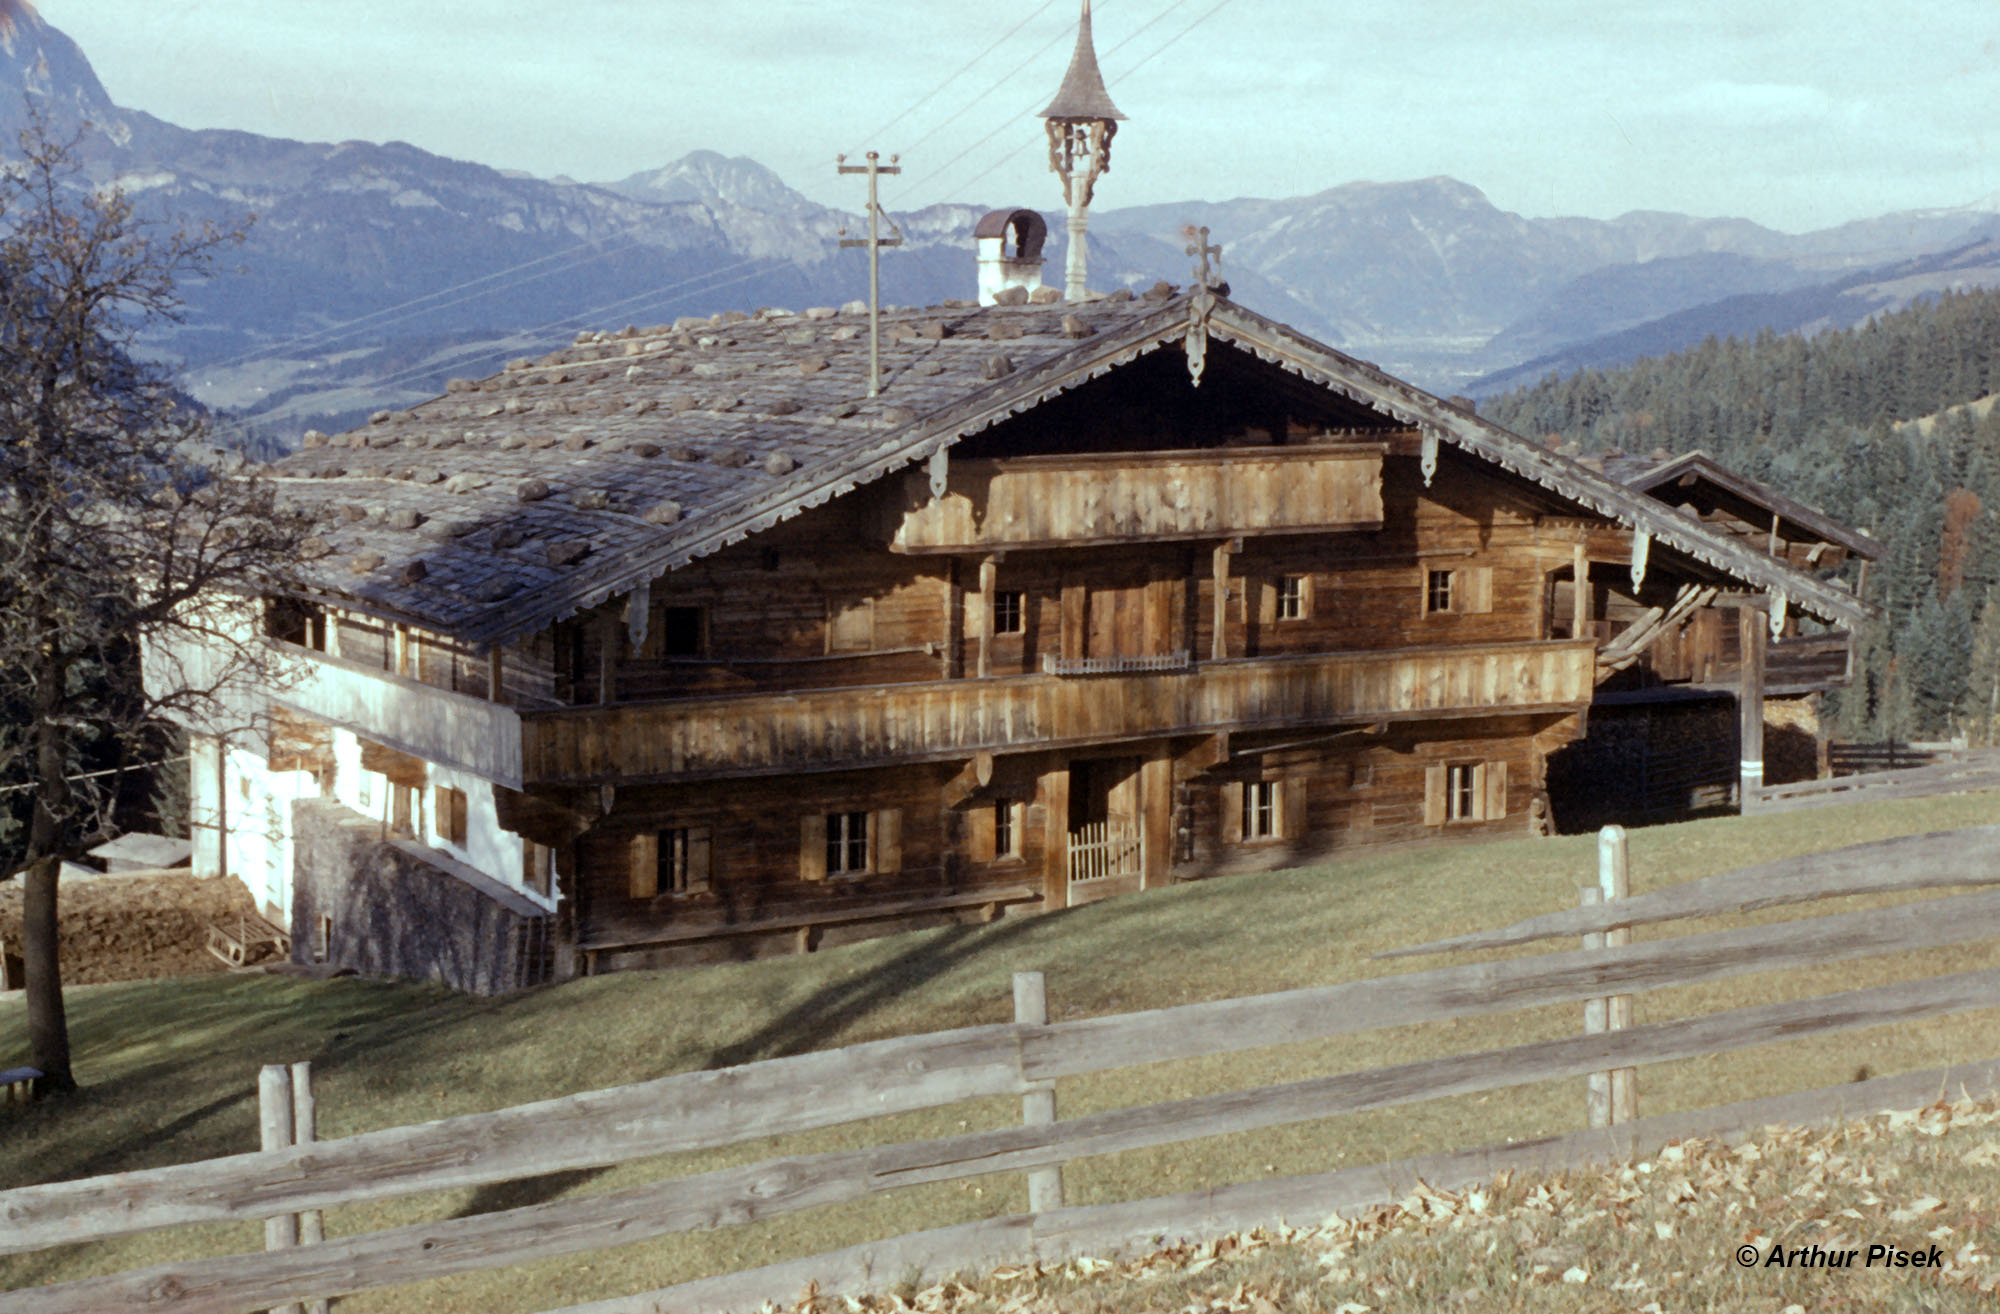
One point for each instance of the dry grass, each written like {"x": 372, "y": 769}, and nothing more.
{"x": 1699, "y": 1226}
{"x": 170, "y": 1066}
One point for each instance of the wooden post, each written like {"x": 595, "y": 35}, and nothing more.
{"x": 1038, "y": 1104}
{"x": 494, "y": 686}
{"x": 607, "y": 658}
{"x": 1219, "y": 641}
{"x": 988, "y": 572}
{"x": 274, "y": 1121}
{"x": 1597, "y": 1086}
{"x": 305, "y": 1130}
{"x": 953, "y": 665}
{"x": 1614, "y": 882}
{"x": 1579, "y": 600}
{"x": 1055, "y": 837}
{"x": 1750, "y": 632}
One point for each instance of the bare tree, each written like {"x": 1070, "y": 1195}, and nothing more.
{"x": 116, "y": 529}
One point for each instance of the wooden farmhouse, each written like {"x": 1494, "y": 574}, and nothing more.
{"x": 676, "y": 645}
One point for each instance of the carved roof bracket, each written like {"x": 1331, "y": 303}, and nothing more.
{"x": 939, "y": 467}
{"x": 638, "y": 612}
{"x": 1642, "y": 541}
{"x": 1778, "y": 602}
{"x": 1427, "y": 459}
{"x": 1199, "y": 306}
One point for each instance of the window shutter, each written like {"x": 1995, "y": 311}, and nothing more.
{"x": 701, "y": 859}
{"x": 1020, "y": 810}
{"x": 1496, "y": 791}
{"x": 1232, "y": 812}
{"x": 812, "y": 847}
{"x": 1476, "y": 589}
{"x": 1292, "y": 807}
{"x": 980, "y": 841}
{"x": 886, "y": 846}
{"x": 460, "y": 827}
{"x": 642, "y": 876}
{"x": 1306, "y": 597}
{"x": 1267, "y": 601}
{"x": 1434, "y": 794}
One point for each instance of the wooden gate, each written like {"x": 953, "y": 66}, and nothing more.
{"x": 1104, "y": 850}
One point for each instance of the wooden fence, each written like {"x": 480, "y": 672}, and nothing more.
{"x": 1955, "y": 771}
{"x": 704, "y": 1109}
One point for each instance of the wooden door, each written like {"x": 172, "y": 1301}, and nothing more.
{"x": 1130, "y": 617}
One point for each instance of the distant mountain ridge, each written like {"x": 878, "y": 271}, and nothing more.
{"x": 373, "y": 272}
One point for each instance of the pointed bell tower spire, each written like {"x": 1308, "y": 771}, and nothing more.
{"x": 1081, "y": 122}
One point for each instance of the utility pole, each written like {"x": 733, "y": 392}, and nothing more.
{"x": 874, "y": 242}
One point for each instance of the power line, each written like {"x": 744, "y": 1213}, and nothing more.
{"x": 1015, "y": 153}
{"x": 332, "y": 331}
{"x": 970, "y": 64}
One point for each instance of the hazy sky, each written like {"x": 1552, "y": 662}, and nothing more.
{"x": 1795, "y": 113}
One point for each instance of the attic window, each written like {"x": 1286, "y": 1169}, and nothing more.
{"x": 681, "y": 632}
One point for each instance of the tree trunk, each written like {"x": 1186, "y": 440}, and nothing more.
{"x": 48, "y": 1027}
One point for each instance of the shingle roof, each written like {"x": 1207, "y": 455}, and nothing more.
{"x": 1082, "y": 94}
{"x": 514, "y": 501}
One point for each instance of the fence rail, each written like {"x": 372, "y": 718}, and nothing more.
{"x": 706, "y": 1109}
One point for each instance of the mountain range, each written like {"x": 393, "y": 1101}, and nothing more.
{"x": 372, "y": 272}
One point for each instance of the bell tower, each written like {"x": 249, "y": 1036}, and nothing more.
{"x": 1081, "y": 122}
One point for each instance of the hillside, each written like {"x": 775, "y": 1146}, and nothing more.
{"x": 1839, "y": 421}
{"x": 169, "y": 1067}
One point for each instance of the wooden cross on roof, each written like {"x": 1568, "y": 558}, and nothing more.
{"x": 1201, "y": 250}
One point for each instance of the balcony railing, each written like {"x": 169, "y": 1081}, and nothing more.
{"x": 1124, "y": 497}
{"x": 831, "y": 729}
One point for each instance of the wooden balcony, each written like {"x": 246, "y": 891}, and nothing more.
{"x": 407, "y": 715}
{"x": 1123, "y": 497}
{"x": 831, "y": 729}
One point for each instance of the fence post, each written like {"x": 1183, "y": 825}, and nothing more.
{"x": 1038, "y": 1104}
{"x": 1597, "y": 1086}
{"x": 305, "y": 1130}
{"x": 274, "y": 1121}
{"x": 1614, "y": 882}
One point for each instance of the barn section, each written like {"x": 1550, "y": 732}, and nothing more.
{"x": 685, "y": 645}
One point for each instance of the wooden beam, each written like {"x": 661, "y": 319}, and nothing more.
{"x": 1219, "y": 571}
{"x": 1143, "y": 1226}
{"x": 1055, "y": 835}
{"x": 989, "y": 572}
{"x": 711, "y": 1108}
{"x": 236, "y": 1283}
{"x": 1156, "y": 812}
{"x": 974, "y": 776}
{"x": 1750, "y": 632}
{"x": 1579, "y": 603}
{"x": 1892, "y": 866}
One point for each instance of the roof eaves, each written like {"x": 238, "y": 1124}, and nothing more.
{"x": 1860, "y": 544}
{"x": 1361, "y": 382}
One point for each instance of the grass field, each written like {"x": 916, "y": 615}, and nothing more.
{"x": 170, "y": 1067}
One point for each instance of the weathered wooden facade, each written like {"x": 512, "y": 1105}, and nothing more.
{"x": 680, "y": 642}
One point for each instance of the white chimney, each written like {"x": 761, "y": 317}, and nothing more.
{"x": 1010, "y": 252}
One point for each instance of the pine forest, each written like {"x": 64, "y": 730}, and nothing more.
{"x": 1889, "y": 427}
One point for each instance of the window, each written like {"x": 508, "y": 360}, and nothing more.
{"x": 405, "y": 811}
{"x": 1466, "y": 590}
{"x": 1437, "y": 591}
{"x": 448, "y": 814}
{"x": 851, "y": 627}
{"x": 1006, "y": 834}
{"x": 1257, "y": 811}
{"x": 1461, "y": 792}
{"x": 682, "y": 632}
{"x": 1260, "y": 809}
{"x": 296, "y": 621}
{"x": 1292, "y": 594}
{"x": 1009, "y": 612}
{"x": 537, "y": 867}
{"x": 322, "y": 939}
{"x": 671, "y": 861}
{"x": 848, "y": 844}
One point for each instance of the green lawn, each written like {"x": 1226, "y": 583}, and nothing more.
{"x": 170, "y": 1067}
